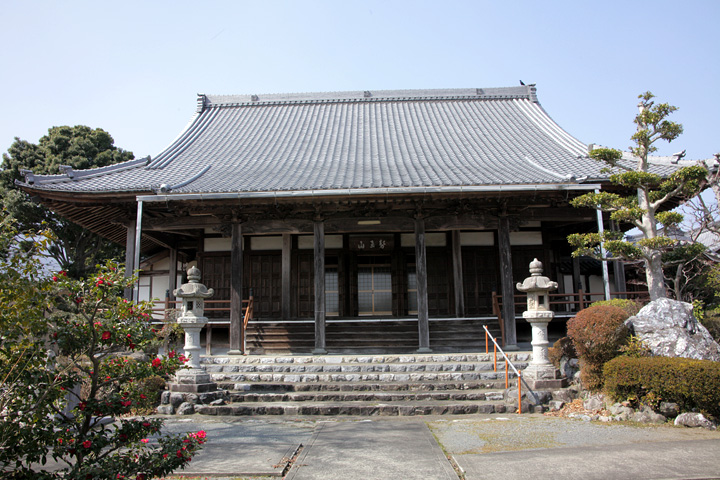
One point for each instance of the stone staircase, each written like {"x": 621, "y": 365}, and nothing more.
{"x": 363, "y": 385}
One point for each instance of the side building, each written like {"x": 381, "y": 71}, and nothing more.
{"x": 358, "y": 221}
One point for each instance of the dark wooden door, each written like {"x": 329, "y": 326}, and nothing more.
{"x": 266, "y": 284}
{"x": 480, "y": 278}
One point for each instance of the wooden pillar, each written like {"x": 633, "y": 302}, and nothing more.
{"x": 286, "y": 275}
{"x": 319, "y": 235}
{"x": 421, "y": 271}
{"x": 129, "y": 256}
{"x": 172, "y": 271}
{"x": 576, "y": 277}
{"x": 458, "y": 274}
{"x": 619, "y": 277}
{"x": 237, "y": 335}
{"x": 506, "y": 278}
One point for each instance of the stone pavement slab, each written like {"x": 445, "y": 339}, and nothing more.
{"x": 242, "y": 447}
{"x": 372, "y": 450}
{"x": 698, "y": 459}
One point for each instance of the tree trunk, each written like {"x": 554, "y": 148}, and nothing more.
{"x": 655, "y": 278}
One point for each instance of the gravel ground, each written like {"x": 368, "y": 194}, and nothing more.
{"x": 459, "y": 436}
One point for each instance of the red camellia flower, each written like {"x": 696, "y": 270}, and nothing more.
{"x": 156, "y": 362}
{"x": 99, "y": 282}
{"x": 55, "y": 278}
{"x": 179, "y": 454}
{"x": 106, "y": 335}
{"x": 87, "y": 443}
{"x": 171, "y": 354}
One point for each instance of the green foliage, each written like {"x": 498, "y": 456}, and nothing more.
{"x": 636, "y": 179}
{"x": 649, "y": 191}
{"x": 692, "y": 384}
{"x": 711, "y": 321}
{"x": 606, "y": 155}
{"x": 631, "y": 307}
{"x": 588, "y": 244}
{"x": 636, "y": 348}
{"x": 564, "y": 347}
{"x": 597, "y": 333}
{"x": 669, "y": 219}
{"x": 68, "y": 340}
{"x": 76, "y": 250}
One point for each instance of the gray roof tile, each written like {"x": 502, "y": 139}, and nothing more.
{"x": 351, "y": 140}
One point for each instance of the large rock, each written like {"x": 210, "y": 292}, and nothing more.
{"x": 669, "y": 328}
{"x": 694, "y": 420}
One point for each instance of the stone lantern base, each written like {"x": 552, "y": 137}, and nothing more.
{"x": 193, "y": 381}
{"x": 543, "y": 377}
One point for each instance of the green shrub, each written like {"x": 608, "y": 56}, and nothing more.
{"x": 597, "y": 333}
{"x": 692, "y": 384}
{"x": 632, "y": 307}
{"x": 711, "y": 321}
{"x": 562, "y": 348}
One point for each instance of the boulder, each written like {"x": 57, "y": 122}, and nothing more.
{"x": 186, "y": 408}
{"x": 694, "y": 420}
{"x": 594, "y": 403}
{"x": 647, "y": 415}
{"x": 165, "y": 409}
{"x": 669, "y": 329}
{"x": 669, "y": 409}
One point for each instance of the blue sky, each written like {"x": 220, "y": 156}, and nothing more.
{"x": 134, "y": 68}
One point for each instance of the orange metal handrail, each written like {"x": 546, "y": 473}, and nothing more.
{"x": 508, "y": 363}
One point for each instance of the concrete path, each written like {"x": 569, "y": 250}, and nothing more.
{"x": 483, "y": 446}
{"x": 657, "y": 460}
{"x": 372, "y": 449}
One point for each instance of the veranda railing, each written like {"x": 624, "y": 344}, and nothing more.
{"x": 164, "y": 311}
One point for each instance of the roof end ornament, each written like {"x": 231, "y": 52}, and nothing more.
{"x": 29, "y": 176}
{"x": 67, "y": 170}
{"x": 201, "y": 102}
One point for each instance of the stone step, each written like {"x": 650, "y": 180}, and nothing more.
{"x": 357, "y": 377}
{"x": 355, "y": 408}
{"x": 341, "y": 359}
{"x": 384, "y": 397}
{"x": 271, "y": 387}
{"x": 356, "y": 367}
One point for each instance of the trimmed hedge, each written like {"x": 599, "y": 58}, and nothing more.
{"x": 632, "y": 307}
{"x": 692, "y": 384}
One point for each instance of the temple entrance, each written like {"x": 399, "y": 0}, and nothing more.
{"x": 374, "y": 280}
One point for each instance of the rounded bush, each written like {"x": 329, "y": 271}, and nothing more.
{"x": 597, "y": 333}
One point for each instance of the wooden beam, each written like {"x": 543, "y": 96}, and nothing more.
{"x": 421, "y": 272}
{"x": 237, "y": 340}
{"x": 458, "y": 274}
{"x": 286, "y": 275}
{"x": 506, "y": 278}
{"x": 319, "y": 233}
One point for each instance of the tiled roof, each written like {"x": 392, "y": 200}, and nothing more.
{"x": 353, "y": 140}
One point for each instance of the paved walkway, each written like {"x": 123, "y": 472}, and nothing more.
{"x": 490, "y": 446}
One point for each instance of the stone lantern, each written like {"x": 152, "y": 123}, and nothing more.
{"x": 192, "y": 320}
{"x": 541, "y": 373}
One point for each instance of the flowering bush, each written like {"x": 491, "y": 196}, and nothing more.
{"x": 67, "y": 375}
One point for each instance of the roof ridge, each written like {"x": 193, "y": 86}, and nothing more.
{"x": 69, "y": 174}
{"x": 523, "y": 91}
